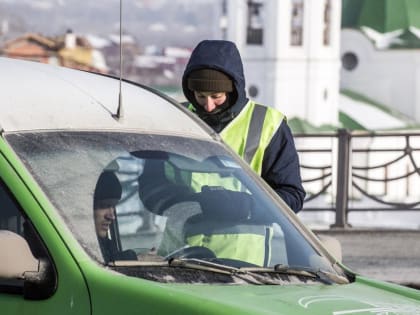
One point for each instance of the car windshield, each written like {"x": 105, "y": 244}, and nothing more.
{"x": 137, "y": 198}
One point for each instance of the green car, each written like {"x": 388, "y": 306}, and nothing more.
{"x": 136, "y": 207}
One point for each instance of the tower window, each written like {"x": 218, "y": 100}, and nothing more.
{"x": 255, "y": 29}
{"x": 296, "y": 38}
{"x": 327, "y": 23}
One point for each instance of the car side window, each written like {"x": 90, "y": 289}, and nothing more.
{"x": 12, "y": 219}
{"x": 38, "y": 284}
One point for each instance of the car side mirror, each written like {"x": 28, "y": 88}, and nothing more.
{"x": 18, "y": 263}
{"x": 332, "y": 245}
{"x": 15, "y": 256}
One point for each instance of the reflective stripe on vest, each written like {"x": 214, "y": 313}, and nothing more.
{"x": 248, "y": 243}
{"x": 250, "y": 133}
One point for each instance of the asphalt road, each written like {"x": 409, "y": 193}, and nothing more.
{"x": 391, "y": 255}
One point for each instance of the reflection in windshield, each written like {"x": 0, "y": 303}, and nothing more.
{"x": 176, "y": 198}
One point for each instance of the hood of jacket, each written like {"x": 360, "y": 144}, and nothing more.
{"x": 223, "y": 56}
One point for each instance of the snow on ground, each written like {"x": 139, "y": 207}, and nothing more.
{"x": 375, "y": 219}
{"x": 404, "y": 220}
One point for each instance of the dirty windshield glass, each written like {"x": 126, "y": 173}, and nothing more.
{"x": 149, "y": 198}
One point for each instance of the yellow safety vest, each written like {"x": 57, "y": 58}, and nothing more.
{"x": 244, "y": 242}
{"x": 250, "y": 133}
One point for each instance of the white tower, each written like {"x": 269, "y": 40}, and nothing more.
{"x": 290, "y": 50}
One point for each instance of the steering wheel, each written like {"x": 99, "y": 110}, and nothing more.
{"x": 192, "y": 252}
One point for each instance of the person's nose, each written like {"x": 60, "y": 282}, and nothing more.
{"x": 209, "y": 106}
{"x": 110, "y": 214}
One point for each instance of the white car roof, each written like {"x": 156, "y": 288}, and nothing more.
{"x": 35, "y": 96}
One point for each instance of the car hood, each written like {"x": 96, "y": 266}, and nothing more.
{"x": 361, "y": 297}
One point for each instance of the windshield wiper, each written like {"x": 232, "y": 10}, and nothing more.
{"x": 206, "y": 265}
{"x": 192, "y": 263}
{"x": 253, "y": 275}
{"x": 316, "y": 274}
{"x": 200, "y": 264}
{"x": 323, "y": 275}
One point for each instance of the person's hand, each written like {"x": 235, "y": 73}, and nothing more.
{"x": 219, "y": 203}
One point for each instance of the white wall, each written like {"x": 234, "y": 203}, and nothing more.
{"x": 391, "y": 77}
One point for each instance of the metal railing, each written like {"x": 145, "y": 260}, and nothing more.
{"x": 349, "y": 171}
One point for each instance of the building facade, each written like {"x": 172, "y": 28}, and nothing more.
{"x": 380, "y": 45}
{"x": 290, "y": 50}
{"x": 68, "y": 50}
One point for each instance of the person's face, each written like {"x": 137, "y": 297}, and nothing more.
{"x": 103, "y": 220}
{"x": 210, "y": 100}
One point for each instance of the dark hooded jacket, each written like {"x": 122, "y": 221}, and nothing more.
{"x": 280, "y": 168}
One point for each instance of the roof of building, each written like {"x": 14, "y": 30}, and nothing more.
{"x": 41, "y": 40}
{"x": 375, "y": 117}
{"x": 358, "y": 112}
{"x": 396, "y": 22}
{"x": 81, "y": 53}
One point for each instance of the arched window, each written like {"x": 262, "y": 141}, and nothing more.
{"x": 296, "y": 36}
{"x": 327, "y": 23}
{"x": 254, "y": 31}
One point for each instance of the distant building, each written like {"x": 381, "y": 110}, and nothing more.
{"x": 4, "y": 27}
{"x": 110, "y": 48}
{"x": 149, "y": 65}
{"x": 31, "y": 47}
{"x": 380, "y": 52}
{"x": 162, "y": 68}
{"x": 68, "y": 50}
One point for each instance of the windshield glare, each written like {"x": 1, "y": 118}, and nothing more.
{"x": 139, "y": 197}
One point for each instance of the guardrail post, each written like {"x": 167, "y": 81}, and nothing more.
{"x": 343, "y": 171}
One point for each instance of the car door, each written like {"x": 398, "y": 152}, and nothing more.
{"x": 64, "y": 290}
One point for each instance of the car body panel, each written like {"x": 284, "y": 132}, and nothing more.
{"x": 71, "y": 296}
{"x": 361, "y": 297}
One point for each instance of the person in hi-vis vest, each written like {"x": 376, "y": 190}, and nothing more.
{"x": 214, "y": 86}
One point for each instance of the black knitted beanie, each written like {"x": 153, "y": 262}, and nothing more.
{"x": 209, "y": 80}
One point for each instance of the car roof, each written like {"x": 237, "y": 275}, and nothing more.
{"x": 36, "y": 96}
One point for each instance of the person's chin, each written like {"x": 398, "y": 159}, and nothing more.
{"x": 103, "y": 233}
